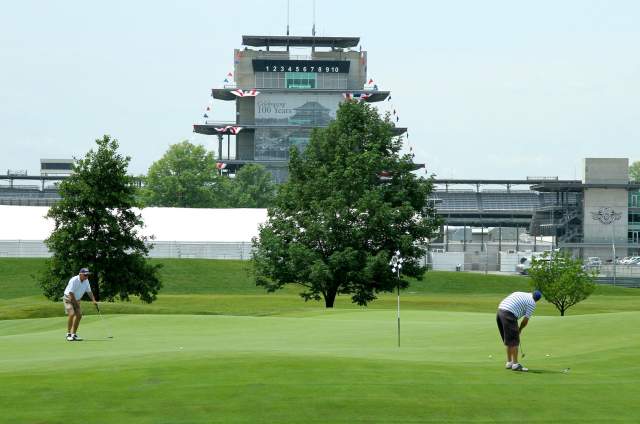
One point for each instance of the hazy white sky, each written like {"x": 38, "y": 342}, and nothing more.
{"x": 491, "y": 89}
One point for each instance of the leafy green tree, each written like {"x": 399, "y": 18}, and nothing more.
{"x": 185, "y": 177}
{"x": 563, "y": 281}
{"x": 252, "y": 187}
{"x": 351, "y": 201}
{"x": 634, "y": 172}
{"x": 96, "y": 226}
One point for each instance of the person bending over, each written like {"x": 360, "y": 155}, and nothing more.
{"x": 513, "y": 307}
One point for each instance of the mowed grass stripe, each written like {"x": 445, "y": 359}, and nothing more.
{"x": 292, "y": 305}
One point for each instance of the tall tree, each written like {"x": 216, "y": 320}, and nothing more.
{"x": 252, "y": 187}
{"x": 634, "y": 172}
{"x": 96, "y": 226}
{"x": 185, "y": 177}
{"x": 563, "y": 280}
{"x": 351, "y": 201}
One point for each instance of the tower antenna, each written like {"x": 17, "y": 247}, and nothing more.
{"x": 313, "y": 30}
{"x": 288, "y": 8}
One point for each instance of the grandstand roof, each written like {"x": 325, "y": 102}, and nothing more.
{"x": 166, "y": 224}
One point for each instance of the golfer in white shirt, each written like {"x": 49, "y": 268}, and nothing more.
{"x": 76, "y": 288}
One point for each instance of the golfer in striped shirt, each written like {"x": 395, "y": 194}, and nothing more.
{"x": 513, "y": 307}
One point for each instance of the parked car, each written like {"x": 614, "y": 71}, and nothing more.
{"x": 593, "y": 262}
{"x": 526, "y": 261}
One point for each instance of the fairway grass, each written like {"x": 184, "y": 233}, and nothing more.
{"x": 323, "y": 367}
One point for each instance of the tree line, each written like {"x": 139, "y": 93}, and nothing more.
{"x": 186, "y": 177}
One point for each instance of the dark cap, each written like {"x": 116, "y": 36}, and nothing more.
{"x": 537, "y": 295}
{"x": 84, "y": 271}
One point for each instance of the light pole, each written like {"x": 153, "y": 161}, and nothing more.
{"x": 613, "y": 248}
{"x": 396, "y": 266}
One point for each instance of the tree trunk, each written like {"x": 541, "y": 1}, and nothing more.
{"x": 329, "y": 299}
{"x": 95, "y": 285}
{"x": 562, "y": 312}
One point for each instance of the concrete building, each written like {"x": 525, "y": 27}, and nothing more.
{"x": 52, "y": 167}
{"x": 606, "y": 206}
{"x": 281, "y": 96}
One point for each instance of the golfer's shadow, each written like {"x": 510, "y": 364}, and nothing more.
{"x": 545, "y": 372}
{"x": 95, "y": 340}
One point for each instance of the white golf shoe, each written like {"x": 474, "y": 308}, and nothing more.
{"x": 519, "y": 367}
{"x": 508, "y": 365}
{"x": 76, "y": 338}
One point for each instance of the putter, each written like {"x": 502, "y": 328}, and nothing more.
{"x": 522, "y": 351}
{"x": 106, "y": 326}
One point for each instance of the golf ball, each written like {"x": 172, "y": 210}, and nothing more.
{"x": 548, "y": 354}
{"x": 181, "y": 348}
{"x": 490, "y": 356}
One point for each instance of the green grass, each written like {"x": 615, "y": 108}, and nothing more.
{"x": 216, "y": 349}
{"x": 326, "y": 366}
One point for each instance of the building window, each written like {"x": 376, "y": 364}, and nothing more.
{"x": 634, "y": 237}
{"x": 634, "y": 200}
{"x": 300, "y": 80}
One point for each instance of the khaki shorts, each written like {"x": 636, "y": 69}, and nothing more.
{"x": 70, "y": 308}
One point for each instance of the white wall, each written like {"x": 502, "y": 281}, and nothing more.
{"x": 165, "y": 224}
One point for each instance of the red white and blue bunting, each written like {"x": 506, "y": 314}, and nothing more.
{"x": 230, "y": 129}
{"x": 250, "y": 93}
{"x": 356, "y": 96}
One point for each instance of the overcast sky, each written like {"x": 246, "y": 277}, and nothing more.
{"x": 488, "y": 89}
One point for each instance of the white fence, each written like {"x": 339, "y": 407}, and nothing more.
{"x": 160, "y": 249}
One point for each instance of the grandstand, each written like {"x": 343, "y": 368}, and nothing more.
{"x": 21, "y": 189}
{"x": 542, "y": 213}
{"x": 28, "y": 195}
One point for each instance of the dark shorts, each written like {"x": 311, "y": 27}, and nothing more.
{"x": 508, "y": 326}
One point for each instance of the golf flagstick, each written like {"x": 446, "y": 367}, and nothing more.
{"x": 104, "y": 323}
{"x": 396, "y": 266}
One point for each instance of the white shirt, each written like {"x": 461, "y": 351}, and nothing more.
{"x": 520, "y": 304}
{"x": 77, "y": 287}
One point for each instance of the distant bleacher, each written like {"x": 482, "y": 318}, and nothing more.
{"x": 456, "y": 200}
{"x": 28, "y": 195}
{"x": 492, "y": 200}
{"x": 514, "y": 200}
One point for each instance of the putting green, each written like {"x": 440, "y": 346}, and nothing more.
{"x": 322, "y": 366}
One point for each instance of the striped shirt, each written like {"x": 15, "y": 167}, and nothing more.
{"x": 520, "y": 304}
